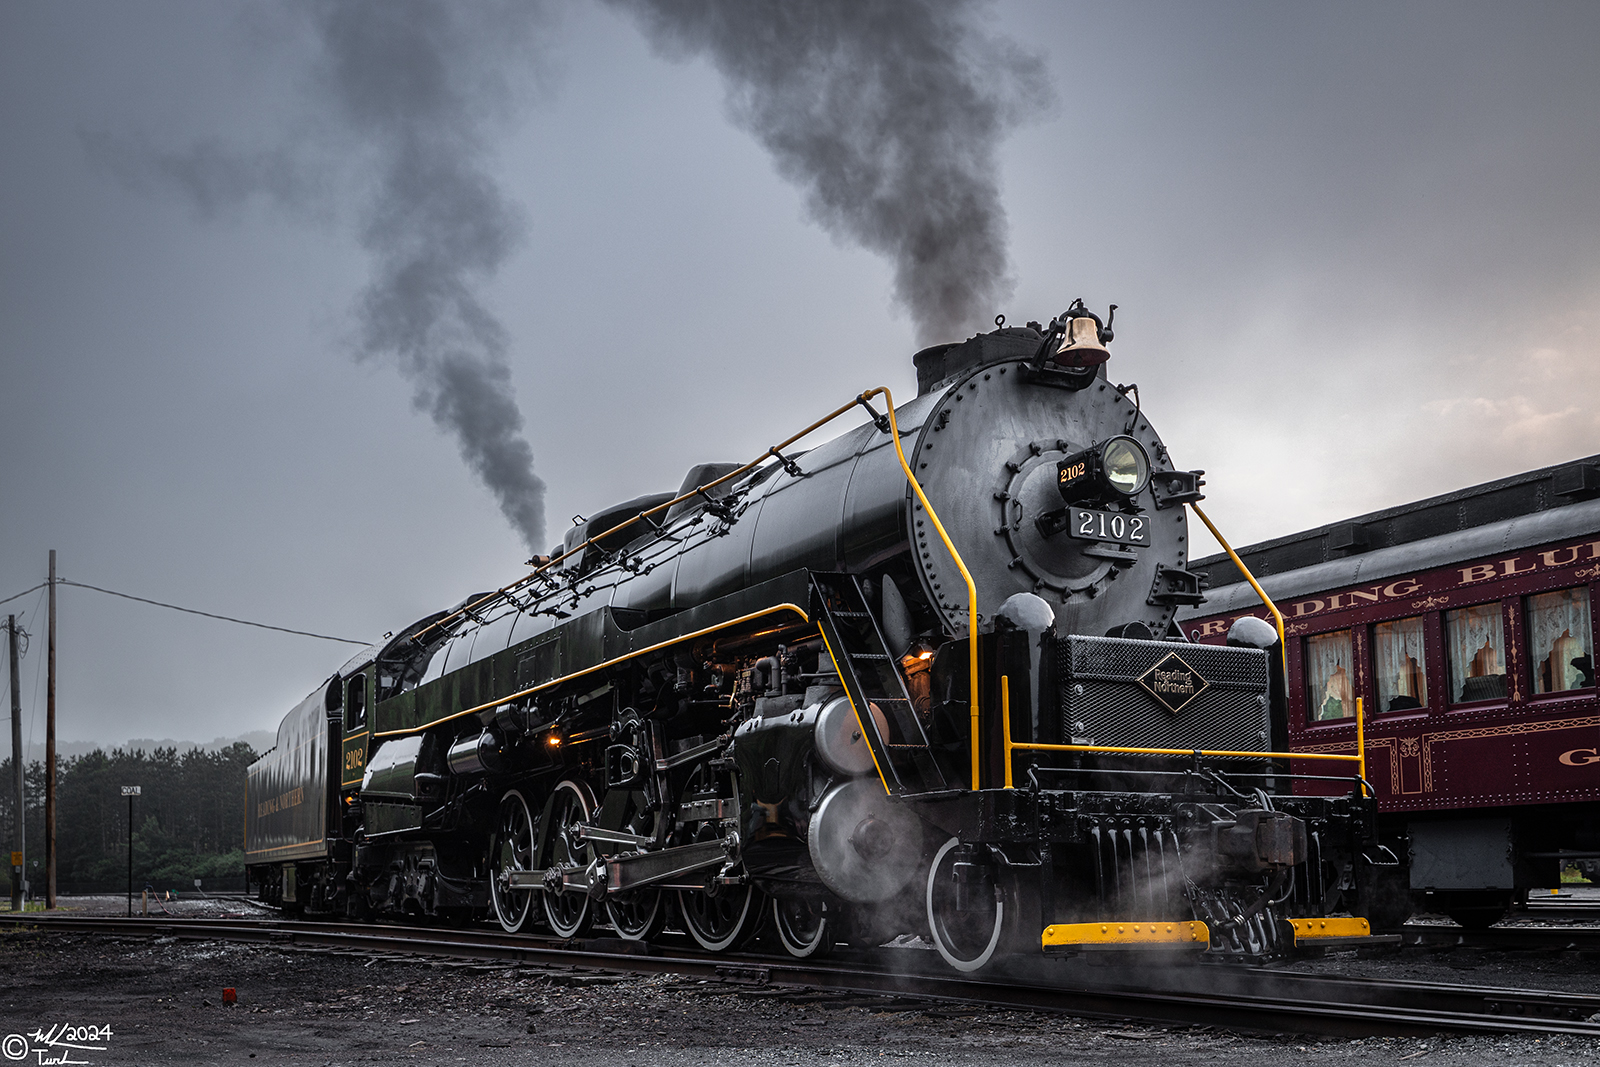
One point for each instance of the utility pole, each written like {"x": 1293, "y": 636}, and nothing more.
{"x": 19, "y": 854}
{"x": 50, "y": 751}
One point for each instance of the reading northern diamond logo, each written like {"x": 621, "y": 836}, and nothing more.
{"x": 1173, "y": 682}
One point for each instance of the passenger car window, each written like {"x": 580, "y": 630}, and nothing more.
{"x": 1475, "y": 647}
{"x": 1399, "y": 665}
{"x": 1330, "y": 692}
{"x": 1559, "y": 640}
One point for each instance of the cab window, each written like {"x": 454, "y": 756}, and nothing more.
{"x": 1399, "y": 665}
{"x": 355, "y": 707}
{"x": 1330, "y": 686}
{"x": 1559, "y": 640}
{"x": 1475, "y": 647}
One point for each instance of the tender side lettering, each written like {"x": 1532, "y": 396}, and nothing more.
{"x": 282, "y": 802}
{"x": 1580, "y": 757}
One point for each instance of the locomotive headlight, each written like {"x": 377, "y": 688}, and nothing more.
{"x": 1115, "y": 467}
{"x": 1127, "y": 468}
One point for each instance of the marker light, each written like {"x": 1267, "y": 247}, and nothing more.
{"x": 1115, "y": 467}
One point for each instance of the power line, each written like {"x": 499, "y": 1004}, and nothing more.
{"x": 24, "y": 593}
{"x": 209, "y": 615}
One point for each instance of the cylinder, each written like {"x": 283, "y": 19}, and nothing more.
{"x": 474, "y": 755}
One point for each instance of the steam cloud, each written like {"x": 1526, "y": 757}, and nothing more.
{"x": 888, "y": 113}
{"x": 413, "y": 81}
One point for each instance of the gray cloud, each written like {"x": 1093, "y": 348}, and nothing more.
{"x": 889, "y": 115}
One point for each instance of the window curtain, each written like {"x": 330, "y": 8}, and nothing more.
{"x": 1476, "y": 645}
{"x": 1399, "y": 665}
{"x": 1329, "y": 685}
{"x": 1559, "y": 640}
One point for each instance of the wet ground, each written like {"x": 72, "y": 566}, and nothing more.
{"x": 161, "y": 1001}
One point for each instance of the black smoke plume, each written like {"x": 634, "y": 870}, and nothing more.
{"x": 414, "y": 81}
{"x": 888, "y": 114}
{"x": 404, "y": 98}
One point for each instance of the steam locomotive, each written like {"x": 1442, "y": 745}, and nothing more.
{"x": 922, "y": 678}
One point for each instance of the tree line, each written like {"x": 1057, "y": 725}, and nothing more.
{"x": 188, "y": 820}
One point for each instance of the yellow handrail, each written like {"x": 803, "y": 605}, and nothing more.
{"x": 972, "y": 589}
{"x": 1361, "y": 744}
{"x": 1283, "y": 641}
{"x": 775, "y": 452}
{"x": 1011, "y": 746}
{"x": 1216, "y": 753}
{"x": 1005, "y": 722}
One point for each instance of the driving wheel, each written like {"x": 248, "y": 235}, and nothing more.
{"x": 803, "y": 927}
{"x": 567, "y": 913}
{"x": 718, "y": 917}
{"x": 511, "y": 849}
{"x": 639, "y": 915}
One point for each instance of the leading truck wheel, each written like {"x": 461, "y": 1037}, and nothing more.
{"x": 570, "y": 913}
{"x": 511, "y": 850}
{"x": 966, "y": 907}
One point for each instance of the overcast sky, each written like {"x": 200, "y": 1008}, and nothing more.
{"x": 1356, "y": 251}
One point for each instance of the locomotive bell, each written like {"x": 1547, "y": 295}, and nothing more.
{"x": 1080, "y": 345}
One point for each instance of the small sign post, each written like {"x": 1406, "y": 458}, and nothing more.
{"x": 130, "y": 791}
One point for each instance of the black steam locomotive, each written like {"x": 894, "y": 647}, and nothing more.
{"x": 922, "y": 678}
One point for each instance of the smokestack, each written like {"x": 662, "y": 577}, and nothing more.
{"x": 889, "y": 115}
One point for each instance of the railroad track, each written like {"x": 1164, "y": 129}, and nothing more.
{"x": 1543, "y": 938}
{"x": 1257, "y": 999}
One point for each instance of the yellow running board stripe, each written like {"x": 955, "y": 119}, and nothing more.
{"x": 1185, "y": 934}
{"x": 1315, "y": 929}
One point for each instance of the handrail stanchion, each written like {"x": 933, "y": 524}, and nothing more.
{"x": 1361, "y": 745}
{"x": 1005, "y": 722}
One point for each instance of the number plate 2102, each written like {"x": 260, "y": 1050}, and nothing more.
{"x": 1111, "y": 526}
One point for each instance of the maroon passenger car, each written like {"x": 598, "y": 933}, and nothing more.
{"x": 1464, "y": 625}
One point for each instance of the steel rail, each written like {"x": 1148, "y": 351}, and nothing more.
{"x": 1256, "y": 999}
{"x": 1507, "y": 938}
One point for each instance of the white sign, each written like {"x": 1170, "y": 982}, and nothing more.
{"x": 130, "y": 790}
